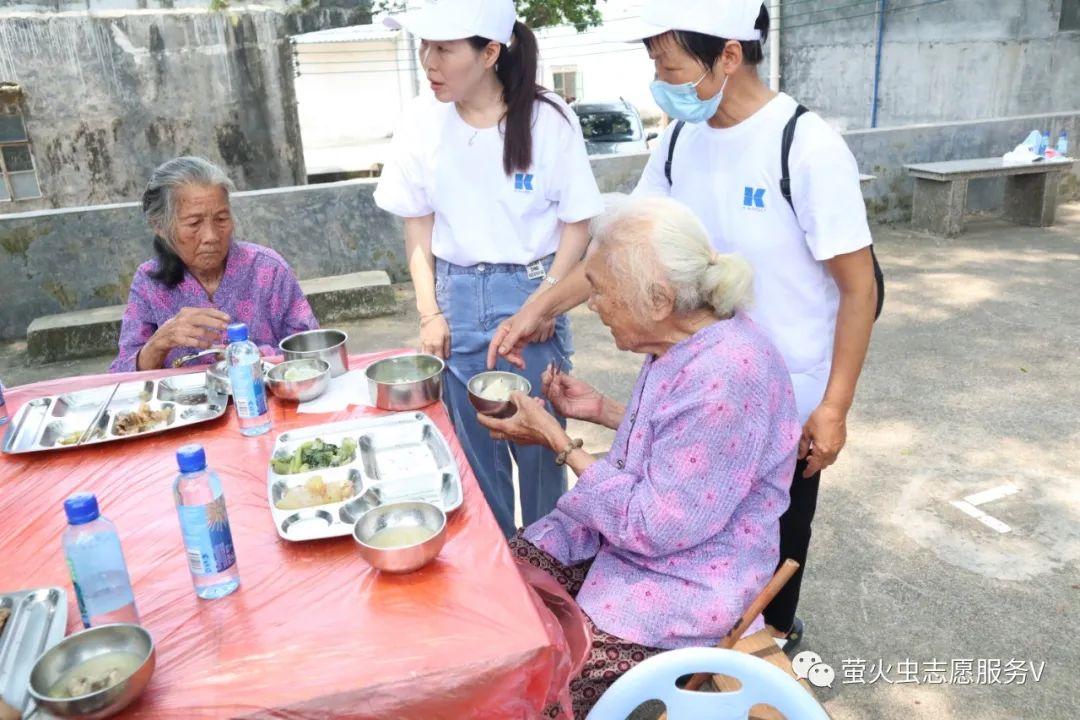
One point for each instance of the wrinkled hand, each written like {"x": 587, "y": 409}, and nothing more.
{"x": 526, "y": 326}
{"x": 823, "y": 438}
{"x": 572, "y": 397}
{"x": 532, "y": 424}
{"x": 199, "y": 328}
{"x": 435, "y": 336}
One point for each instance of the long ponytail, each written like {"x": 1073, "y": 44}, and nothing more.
{"x": 516, "y": 70}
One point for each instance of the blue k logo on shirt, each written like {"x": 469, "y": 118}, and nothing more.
{"x": 754, "y": 198}
{"x": 523, "y": 182}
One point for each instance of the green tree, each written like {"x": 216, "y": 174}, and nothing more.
{"x": 582, "y": 14}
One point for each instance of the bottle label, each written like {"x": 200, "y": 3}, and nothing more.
{"x": 249, "y": 393}
{"x": 207, "y": 537}
{"x": 78, "y": 592}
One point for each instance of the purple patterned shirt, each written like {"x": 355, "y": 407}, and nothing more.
{"x": 258, "y": 288}
{"x": 682, "y": 516}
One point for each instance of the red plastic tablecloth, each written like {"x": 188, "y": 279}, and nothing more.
{"x": 313, "y": 631}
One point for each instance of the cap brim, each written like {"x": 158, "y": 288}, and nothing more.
{"x": 635, "y": 30}
{"x": 429, "y": 24}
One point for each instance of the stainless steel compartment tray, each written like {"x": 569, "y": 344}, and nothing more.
{"x": 399, "y": 457}
{"x": 37, "y": 621}
{"x": 57, "y": 422}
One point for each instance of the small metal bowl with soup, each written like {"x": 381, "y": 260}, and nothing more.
{"x": 401, "y": 537}
{"x": 95, "y": 673}
{"x": 409, "y": 382}
{"x": 300, "y": 380}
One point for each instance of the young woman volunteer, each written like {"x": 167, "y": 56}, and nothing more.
{"x": 494, "y": 184}
{"x": 814, "y": 285}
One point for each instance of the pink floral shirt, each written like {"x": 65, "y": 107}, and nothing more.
{"x": 258, "y": 288}
{"x": 682, "y": 516}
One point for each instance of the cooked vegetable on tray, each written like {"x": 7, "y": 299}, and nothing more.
{"x": 315, "y": 492}
{"x": 315, "y": 455}
{"x": 140, "y": 421}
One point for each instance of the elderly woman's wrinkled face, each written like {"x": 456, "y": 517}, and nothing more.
{"x": 204, "y": 227}
{"x": 609, "y": 300}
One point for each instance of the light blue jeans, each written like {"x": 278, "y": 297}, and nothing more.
{"x": 474, "y": 301}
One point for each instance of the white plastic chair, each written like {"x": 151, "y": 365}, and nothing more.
{"x": 654, "y": 679}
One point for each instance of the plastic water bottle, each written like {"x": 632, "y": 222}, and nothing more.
{"x": 3, "y": 406}
{"x": 1044, "y": 143}
{"x": 204, "y": 525}
{"x": 96, "y": 562}
{"x": 245, "y": 376}
{"x": 1032, "y": 141}
{"x": 1062, "y": 150}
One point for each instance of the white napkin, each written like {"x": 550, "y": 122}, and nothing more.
{"x": 344, "y": 390}
{"x": 1022, "y": 155}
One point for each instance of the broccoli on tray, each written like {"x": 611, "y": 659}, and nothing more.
{"x": 315, "y": 455}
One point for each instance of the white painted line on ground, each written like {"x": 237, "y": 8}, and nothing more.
{"x": 967, "y": 508}
{"x": 994, "y": 524}
{"x": 991, "y": 522}
{"x": 986, "y": 496}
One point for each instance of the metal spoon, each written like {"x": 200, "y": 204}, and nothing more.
{"x": 182, "y": 361}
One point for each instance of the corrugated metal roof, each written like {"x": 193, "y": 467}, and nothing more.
{"x": 349, "y": 33}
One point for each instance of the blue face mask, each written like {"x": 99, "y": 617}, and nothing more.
{"x": 681, "y": 102}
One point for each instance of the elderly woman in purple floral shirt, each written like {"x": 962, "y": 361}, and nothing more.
{"x": 666, "y": 541}
{"x": 202, "y": 278}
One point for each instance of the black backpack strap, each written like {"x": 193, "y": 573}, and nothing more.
{"x": 785, "y": 151}
{"x": 671, "y": 149}
{"x": 785, "y": 190}
{"x": 879, "y": 279}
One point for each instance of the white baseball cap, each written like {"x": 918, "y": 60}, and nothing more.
{"x": 728, "y": 19}
{"x": 459, "y": 19}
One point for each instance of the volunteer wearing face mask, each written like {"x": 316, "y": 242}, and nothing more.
{"x": 815, "y": 293}
{"x": 494, "y": 184}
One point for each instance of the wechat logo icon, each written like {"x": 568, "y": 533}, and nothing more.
{"x": 808, "y": 666}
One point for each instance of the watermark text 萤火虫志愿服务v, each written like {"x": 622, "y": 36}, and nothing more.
{"x": 808, "y": 665}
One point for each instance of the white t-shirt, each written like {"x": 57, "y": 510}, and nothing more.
{"x": 442, "y": 165}
{"x": 730, "y": 177}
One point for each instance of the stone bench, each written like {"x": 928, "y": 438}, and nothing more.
{"x": 941, "y": 191}
{"x": 89, "y": 333}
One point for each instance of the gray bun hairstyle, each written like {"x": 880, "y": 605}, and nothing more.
{"x": 658, "y": 240}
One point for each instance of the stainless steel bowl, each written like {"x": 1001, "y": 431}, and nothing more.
{"x": 496, "y": 408}
{"x": 77, "y": 649}
{"x": 328, "y": 345}
{"x": 403, "y": 383}
{"x": 406, "y": 558}
{"x": 299, "y": 390}
{"x": 217, "y": 376}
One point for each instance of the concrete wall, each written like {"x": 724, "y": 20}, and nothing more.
{"x": 56, "y": 261}
{"x": 56, "y": 6}
{"x": 108, "y": 96}
{"x": 78, "y": 258}
{"x": 884, "y": 152}
{"x": 941, "y": 62}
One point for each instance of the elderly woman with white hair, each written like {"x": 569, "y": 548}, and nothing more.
{"x": 202, "y": 278}
{"x": 666, "y": 540}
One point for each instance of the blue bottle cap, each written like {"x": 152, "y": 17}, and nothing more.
{"x": 237, "y": 332}
{"x": 81, "y": 508}
{"x": 191, "y": 458}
